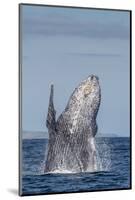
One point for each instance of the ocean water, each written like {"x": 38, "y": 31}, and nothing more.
{"x": 114, "y": 154}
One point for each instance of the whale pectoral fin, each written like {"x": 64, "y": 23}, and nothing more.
{"x": 94, "y": 128}
{"x": 50, "y": 121}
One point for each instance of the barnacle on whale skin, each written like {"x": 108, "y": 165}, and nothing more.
{"x": 87, "y": 90}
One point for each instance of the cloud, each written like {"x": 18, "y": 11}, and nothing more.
{"x": 96, "y": 54}
{"x": 66, "y": 25}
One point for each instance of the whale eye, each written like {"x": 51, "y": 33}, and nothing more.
{"x": 87, "y": 90}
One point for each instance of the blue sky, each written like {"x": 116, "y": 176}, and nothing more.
{"x": 64, "y": 46}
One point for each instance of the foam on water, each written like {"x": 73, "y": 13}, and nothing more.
{"x": 61, "y": 171}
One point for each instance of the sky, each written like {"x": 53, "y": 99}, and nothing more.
{"x": 65, "y": 45}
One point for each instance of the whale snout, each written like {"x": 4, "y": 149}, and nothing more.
{"x": 93, "y": 77}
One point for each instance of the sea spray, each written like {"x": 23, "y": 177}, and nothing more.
{"x": 103, "y": 155}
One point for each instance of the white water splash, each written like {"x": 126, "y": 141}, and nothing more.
{"x": 103, "y": 152}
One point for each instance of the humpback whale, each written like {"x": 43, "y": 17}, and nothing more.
{"x": 71, "y": 145}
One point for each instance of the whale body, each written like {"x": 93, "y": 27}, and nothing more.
{"x": 71, "y": 145}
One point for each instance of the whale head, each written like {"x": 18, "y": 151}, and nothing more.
{"x": 87, "y": 94}
{"x": 83, "y": 104}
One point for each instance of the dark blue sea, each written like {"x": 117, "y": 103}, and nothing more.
{"x": 115, "y": 156}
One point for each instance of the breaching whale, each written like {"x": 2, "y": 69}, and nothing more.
{"x": 71, "y": 145}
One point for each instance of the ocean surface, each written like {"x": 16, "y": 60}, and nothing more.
{"x": 114, "y": 154}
